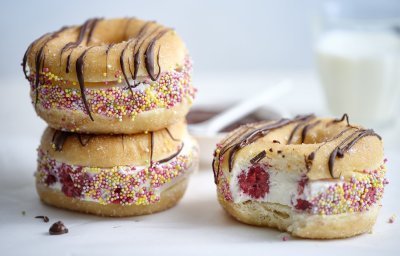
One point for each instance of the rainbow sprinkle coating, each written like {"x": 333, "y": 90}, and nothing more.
{"x": 357, "y": 195}
{"x": 125, "y": 185}
{"x": 116, "y": 101}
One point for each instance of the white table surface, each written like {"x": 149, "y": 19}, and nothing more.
{"x": 196, "y": 226}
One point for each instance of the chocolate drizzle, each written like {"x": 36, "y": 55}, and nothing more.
{"x": 346, "y": 145}
{"x": 258, "y": 133}
{"x": 172, "y": 156}
{"x": 170, "y": 135}
{"x": 302, "y": 123}
{"x": 151, "y": 147}
{"x": 86, "y": 29}
{"x": 25, "y": 58}
{"x": 258, "y": 157}
{"x": 344, "y": 117}
{"x": 149, "y": 55}
{"x": 80, "y": 65}
{"x": 149, "y": 51}
{"x": 80, "y": 62}
{"x": 59, "y": 138}
{"x": 136, "y": 55}
{"x": 306, "y": 128}
{"x": 39, "y": 58}
{"x": 244, "y": 137}
{"x": 167, "y": 158}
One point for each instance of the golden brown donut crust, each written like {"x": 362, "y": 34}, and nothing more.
{"x": 302, "y": 225}
{"x": 116, "y": 150}
{"x": 365, "y": 154}
{"x": 79, "y": 121}
{"x": 169, "y": 198}
{"x": 97, "y": 39}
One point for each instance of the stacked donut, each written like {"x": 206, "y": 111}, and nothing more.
{"x": 115, "y": 94}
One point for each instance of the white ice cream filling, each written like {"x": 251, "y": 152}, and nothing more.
{"x": 284, "y": 187}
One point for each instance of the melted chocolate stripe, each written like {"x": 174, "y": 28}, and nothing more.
{"x": 258, "y": 157}
{"x": 25, "y": 58}
{"x": 171, "y": 136}
{"x": 259, "y": 133}
{"x": 80, "y": 65}
{"x": 39, "y": 60}
{"x": 136, "y": 49}
{"x": 86, "y": 28}
{"x": 344, "y": 117}
{"x": 311, "y": 156}
{"x": 59, "y": 138}
{"x": 293, "y": 132}
{"x": 81, "y": 35}
{"x": 346, "y": 145}
{"x": 303, "y": 123}
{"x": 149, "y": 56}
{"x": 151, "y": 147}
{"x": 306, "y": 129}
{"x": 172, "y": 156}
{"x": 91, "y": 29}
{"x": 122, "y": 64}
{"x": 122, "y": 57}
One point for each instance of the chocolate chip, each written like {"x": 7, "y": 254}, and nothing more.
{"x": 276, "y": 141}
{"x": 279, "y": 151}
{"x": 271, "y": 150}
{"x": 58, "y": 228}
{"x": 45, "y": 218}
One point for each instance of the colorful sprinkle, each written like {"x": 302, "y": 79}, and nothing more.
{"x": 357, "y": 195}
{"x": 118, "y": 101}
{"x": 125, "y": 185}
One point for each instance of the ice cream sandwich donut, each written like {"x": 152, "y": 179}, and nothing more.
{"x": 110, "y": 76}
{"x": 115, "y": 175}
{"x": 312, "y": 177}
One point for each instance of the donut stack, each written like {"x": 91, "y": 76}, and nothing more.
{"x": 115, "y": 94}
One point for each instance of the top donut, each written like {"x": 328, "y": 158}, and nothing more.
{"x": 110, "y": 76}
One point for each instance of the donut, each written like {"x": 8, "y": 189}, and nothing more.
{"x": 317, "y": 178}
{"x": 110, "y": 76}
{"x": 115, "y": 175}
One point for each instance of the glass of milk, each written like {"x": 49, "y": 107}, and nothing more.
{"x": 358, "y": 61}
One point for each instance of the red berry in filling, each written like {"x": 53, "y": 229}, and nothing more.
{"x": 303, "y": 205}
{"x": 70, "y": 187}
{"x": 50, "y": 179}
{"x": 255, "y": 183}
{"x": 302, "y": 183}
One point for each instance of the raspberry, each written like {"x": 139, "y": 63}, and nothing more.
{"x": 69, "y": 187}
{"x": 50, "y": 179}
{"x": 255, "y": 183}
{"x": 303, "y": 205}
{"x": 302, "y": 183}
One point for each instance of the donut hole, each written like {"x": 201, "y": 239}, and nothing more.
{"x": 115, "y": 31}
{"x": 318, "y": 134}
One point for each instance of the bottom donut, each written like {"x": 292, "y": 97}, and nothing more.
{"x": 168, "y": 198}
{"x": 302, "y": 225}
{"x": 115, "y": 175}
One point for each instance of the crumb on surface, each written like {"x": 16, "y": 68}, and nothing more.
{"x": 392, "y": 219}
